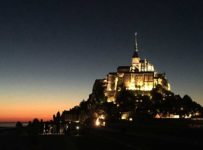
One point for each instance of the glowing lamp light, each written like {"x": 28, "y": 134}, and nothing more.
{"x": 97, "y": 123}
{"x": 197, "y": 114}
{"x": 124, "y": 116}
{"x": 104, "y": 123}
{"x": 100, "y": 121}
{"x": 102, "y": 117}
{"x": 77, "y": 127}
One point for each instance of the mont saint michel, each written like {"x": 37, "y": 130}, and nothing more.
{"x": 132, "y": 92}
{"x": 101, "y": 75}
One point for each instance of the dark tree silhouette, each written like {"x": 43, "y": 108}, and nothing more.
{"x": 98, "y": 92}
{"x": 19, "y": 128}
{"x": 35, "y": 127}
{"x": 126, "y": 100}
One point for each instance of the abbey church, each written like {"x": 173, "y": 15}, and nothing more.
{"x": 140, "y": 77}
{"x": 145, "y": 84}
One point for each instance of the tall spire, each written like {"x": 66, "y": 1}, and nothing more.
{"x": 136, "y": 47}
{"x": 135, "y": 53}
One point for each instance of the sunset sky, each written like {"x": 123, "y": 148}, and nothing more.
{"x": 51, "y": 51}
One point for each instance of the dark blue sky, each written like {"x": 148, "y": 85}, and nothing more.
{"x": 63, "y": 46}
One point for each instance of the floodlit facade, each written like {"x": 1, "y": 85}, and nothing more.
{"x": 140, "y": 77}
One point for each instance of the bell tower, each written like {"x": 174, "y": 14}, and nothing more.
{"x": 135, "y": 57}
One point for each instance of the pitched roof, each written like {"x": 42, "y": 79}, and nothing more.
{"x": 123, "y": 69}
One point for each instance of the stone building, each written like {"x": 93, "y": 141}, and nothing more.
{"x": 140, "y": 77}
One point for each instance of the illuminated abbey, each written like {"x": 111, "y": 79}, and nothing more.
{"x": 150, "y": 96}
{"x": 140, "y": 77}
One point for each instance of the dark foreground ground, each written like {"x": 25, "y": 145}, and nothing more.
{"x": 103, "y": 139}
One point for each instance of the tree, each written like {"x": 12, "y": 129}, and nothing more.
{"x": 19, "y": 127}
{"x": 126, "y": 100}
{"x": 98, "y": 91}
{"x": 111, "y": 110}
{"x": 144, "y": 107}
{"x": 35, "y": 127}
{"x": 57, "y": 121}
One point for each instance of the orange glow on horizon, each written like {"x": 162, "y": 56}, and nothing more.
{"x": 29, "y": 113}
{"x": 25, "y": 112}
{"x": 25, "y": 99}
